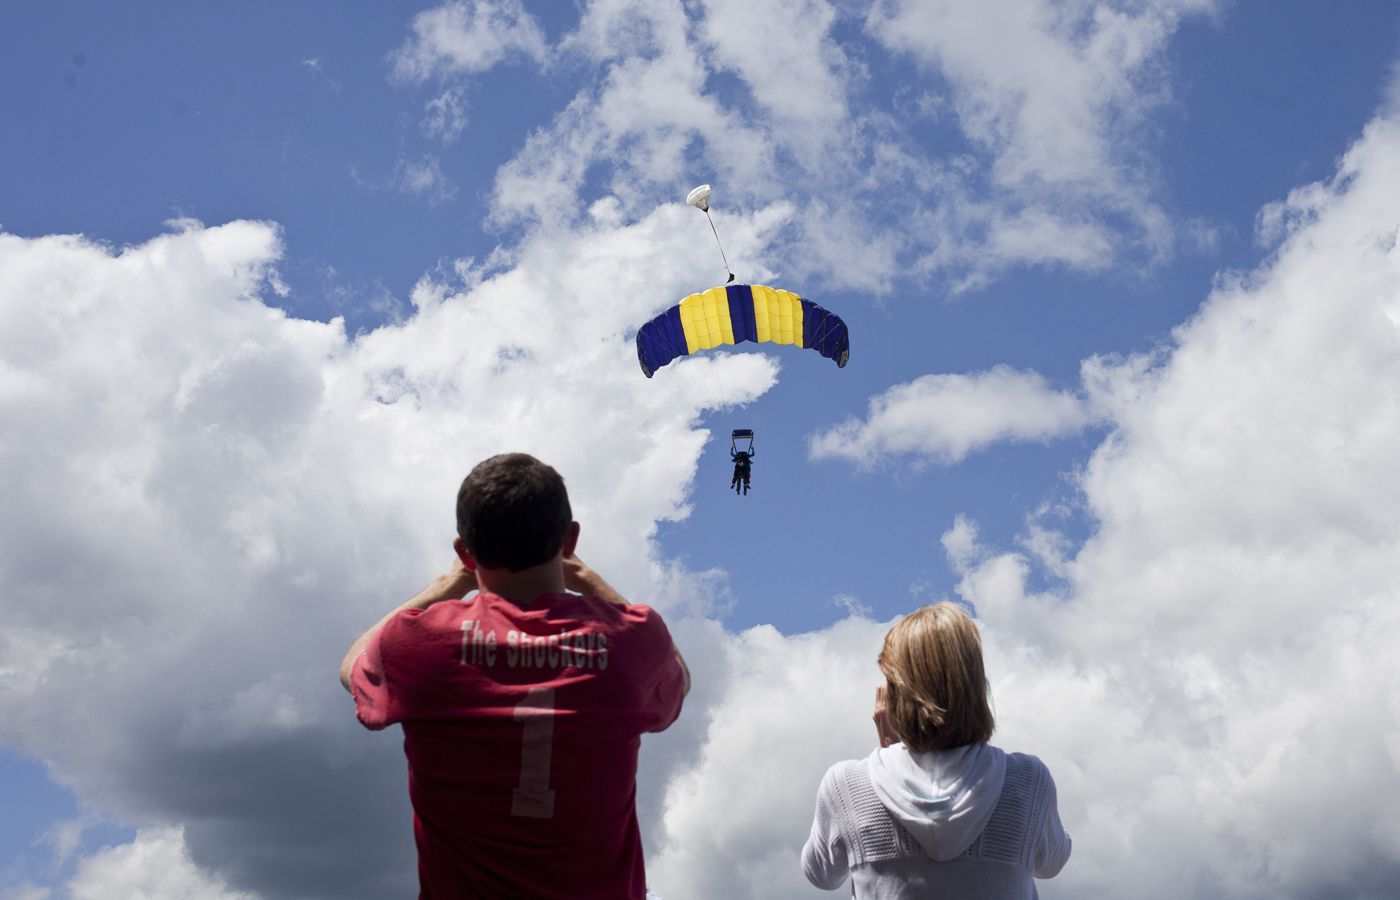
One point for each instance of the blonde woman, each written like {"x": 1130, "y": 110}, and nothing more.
{"x": 936, "y": 811}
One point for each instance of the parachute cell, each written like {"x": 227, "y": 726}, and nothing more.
{"x": 737, "y": 313}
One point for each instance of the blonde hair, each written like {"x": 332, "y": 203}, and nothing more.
{"x": 937, "y": 694}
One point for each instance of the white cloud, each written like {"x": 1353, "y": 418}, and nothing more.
{"x": 635, "y": 122}
{"x": 1052, "y": 167}
{"x": 943, "y": 418}
{"x": 212, "y": 498}
{"x": 1212, "y": 682}
{"x": 467, "y": 37}
{"x": 445, "y": 116}
{"x": 1037, "y": 83}
{"x": 780, "y": 710}
{"x": 800, "y": 90}
{"x": 1054, "y": 95}
{"x": 1241, "y": 579}
{"x": 155, "y": 866}
{"x": 424, "y": 178}
{"x": 317, "y": 68}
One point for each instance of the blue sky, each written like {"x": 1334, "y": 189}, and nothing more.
{"x": 1117, "y": 281}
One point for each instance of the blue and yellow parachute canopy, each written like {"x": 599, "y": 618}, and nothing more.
{"x": 740, "y": 312}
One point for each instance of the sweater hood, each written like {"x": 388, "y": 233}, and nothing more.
{"x": 941, "y": 797}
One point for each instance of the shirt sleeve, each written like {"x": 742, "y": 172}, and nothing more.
{"x": 375, "y": 702}
{"x": 663, "y": 700}
{"x": 669, "y": 695}
{"x": 824, "y": 858}
{"x": 1053, "y": 844}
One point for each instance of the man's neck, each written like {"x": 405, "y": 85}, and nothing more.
{"x": 524, "y": 587}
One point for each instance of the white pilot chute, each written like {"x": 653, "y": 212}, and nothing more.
{"x": 700, "y": 199}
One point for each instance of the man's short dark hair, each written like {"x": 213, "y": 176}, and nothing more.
{"x": 513, "y": 512}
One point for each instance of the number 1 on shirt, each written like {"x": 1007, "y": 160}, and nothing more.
{"x": 533, "y": 798}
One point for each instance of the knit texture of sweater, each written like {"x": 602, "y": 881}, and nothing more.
{"x": 854, "y": 834}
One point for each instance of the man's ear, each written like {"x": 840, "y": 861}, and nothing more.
{"x": 464, "y": 554}
{"x": 570, "y": 540}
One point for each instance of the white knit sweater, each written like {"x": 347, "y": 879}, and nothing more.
{"x": 853, "y": 833}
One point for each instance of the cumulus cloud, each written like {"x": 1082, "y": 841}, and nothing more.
{"x": 1238, "y": 593}
{"x": 467, "y": 37}
{"x": 780, "y": 709}
{"x": 207, "y": 498}
{"x": 1054, "y": 96}
{"x": 1041, "y": 86}
{"x": 801, "y": 91}
{"x": 1041, "y": 159}
{"x": 155, "y": 866}
{"x": 213, "y": 497}
{"x": 943, "y": 418}
{"x": 1209, "y": 675}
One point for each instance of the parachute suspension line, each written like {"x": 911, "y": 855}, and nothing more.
{"x": 700, "y": 199}
{"x": 721, "y": 246}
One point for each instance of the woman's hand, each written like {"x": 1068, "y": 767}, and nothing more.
{"x": 881, "y": 718}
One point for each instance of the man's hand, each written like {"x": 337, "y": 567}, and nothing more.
{"x": 881, "y": 718}
{"x": 582, "y": 580}
{"x": 454, "y": 584}
{"x": 577, "y": 575}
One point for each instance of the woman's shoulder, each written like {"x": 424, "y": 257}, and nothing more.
{"x": 846, "y": 778}
{"x": 844, "y": 771}
{"x": 1027, "y": 761}
{"x": 1028, "y": 777}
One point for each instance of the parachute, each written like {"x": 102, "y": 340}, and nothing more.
{"x": 699, "y": 198}
{"x": 738, "y": 312}
{"x": 741, "y": 312}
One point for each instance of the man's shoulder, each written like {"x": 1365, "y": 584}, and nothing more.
{"x": 619, "y": 616}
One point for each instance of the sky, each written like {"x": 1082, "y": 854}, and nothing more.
{"x": 1122, "y": 281}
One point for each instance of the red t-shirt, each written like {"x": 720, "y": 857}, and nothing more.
{"x": 521, "y": 728}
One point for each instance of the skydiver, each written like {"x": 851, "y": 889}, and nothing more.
{"x": 743, "y": 462}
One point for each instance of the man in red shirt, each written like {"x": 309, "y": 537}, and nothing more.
{"x": 523, "y": 706}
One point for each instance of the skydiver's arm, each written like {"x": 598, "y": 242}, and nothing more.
{"x": 580, "y": 579}
{"x": 452, "y": 585}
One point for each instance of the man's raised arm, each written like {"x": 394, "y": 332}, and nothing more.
{"x": 451, "y": 585}
{"x": 580, "y": 579}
